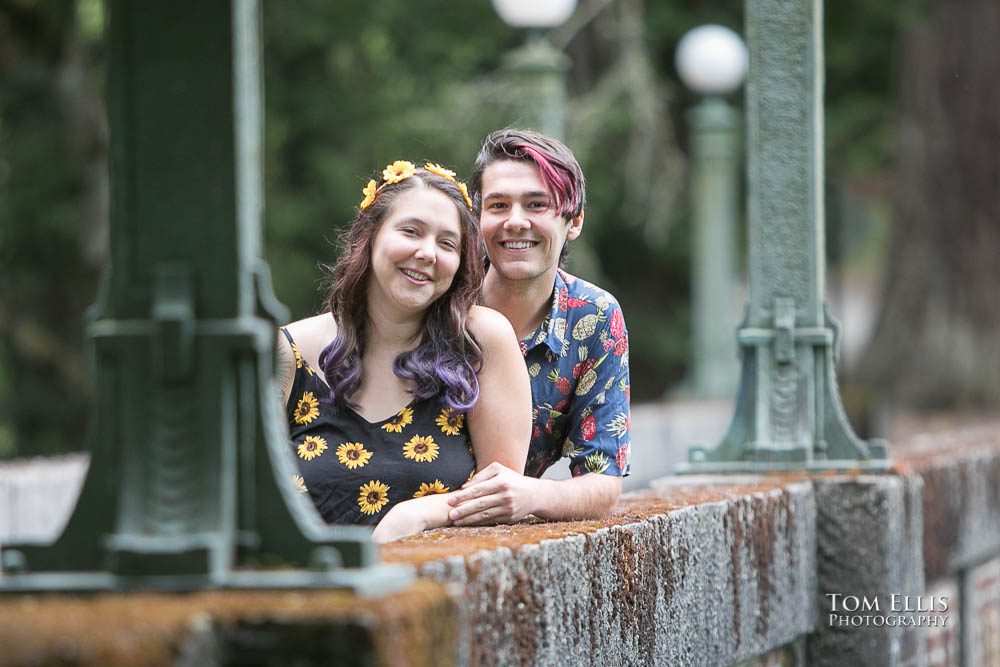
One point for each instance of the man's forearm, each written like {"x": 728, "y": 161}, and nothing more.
{"x": 589, "y": 496}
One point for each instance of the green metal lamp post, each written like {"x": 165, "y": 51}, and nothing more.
{"x": 536, "y": 71}
{"x": 190, "y": 480}
{"x": 788, "y": 411}
{"x": 712, "y": 61}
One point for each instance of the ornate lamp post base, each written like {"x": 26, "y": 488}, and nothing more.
{"x": 788, "y": 412}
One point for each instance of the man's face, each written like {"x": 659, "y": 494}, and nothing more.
{"x": 523, "y": 232}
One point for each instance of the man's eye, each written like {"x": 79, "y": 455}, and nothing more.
{"x": 538, "y": 205}
{"x": 497, "y": 206}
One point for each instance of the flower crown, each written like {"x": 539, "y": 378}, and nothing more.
{"x": 399, "y": 171}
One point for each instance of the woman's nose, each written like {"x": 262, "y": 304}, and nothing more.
{"x": 425, "y": 251}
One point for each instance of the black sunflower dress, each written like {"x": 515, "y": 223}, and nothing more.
{"x": 355, "y": 470}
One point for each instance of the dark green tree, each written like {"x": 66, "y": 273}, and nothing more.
{"x": 936, "y": 345}
{"x": 53, "y": 204}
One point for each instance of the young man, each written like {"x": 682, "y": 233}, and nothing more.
{"x": 529, "y": 192}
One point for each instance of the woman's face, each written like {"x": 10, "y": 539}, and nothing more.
{"x": 416, "y": 252}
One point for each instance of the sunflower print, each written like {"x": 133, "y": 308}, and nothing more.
{"x": 299, "y": 361}
{"x": 353, "y": 455}
{"x": 372, "y": 497}
{"x": 421, "y": 449}
{"x": 307, "y": 409}
{"x": 300, "y": 484}
{"x": 430, "y": 489}
{"x": 402, "y": 419}
{"x": 451, "y": 422}
{"x": 311, "y": 447}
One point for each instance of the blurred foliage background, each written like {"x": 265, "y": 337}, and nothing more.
{"x": 351, "y": 85}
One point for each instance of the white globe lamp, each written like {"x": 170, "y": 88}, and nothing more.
{"x": 534, "y": 13}
{"x": 712, "y": 60}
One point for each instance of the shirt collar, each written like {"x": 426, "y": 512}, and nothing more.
{"x": 546, "y": 331}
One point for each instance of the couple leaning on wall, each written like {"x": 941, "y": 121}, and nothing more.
{"x": 439, "y": 385}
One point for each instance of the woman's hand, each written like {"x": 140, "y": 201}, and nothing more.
{"x": 413, "y": 516}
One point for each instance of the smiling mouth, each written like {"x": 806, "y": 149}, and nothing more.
{"x": 415, "y": 276}
{"x": 519, "y": 245}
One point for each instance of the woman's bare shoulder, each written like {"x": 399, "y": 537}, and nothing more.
{"x": 312, "y": 334}
{"x": 488, "y": 325}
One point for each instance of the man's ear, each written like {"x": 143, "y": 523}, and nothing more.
{"x": 575, "y": 227}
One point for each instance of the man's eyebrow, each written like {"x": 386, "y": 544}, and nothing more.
{"x": 524, "y": 195}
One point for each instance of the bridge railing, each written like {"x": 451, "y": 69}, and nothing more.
{"x": 750, "y": 569}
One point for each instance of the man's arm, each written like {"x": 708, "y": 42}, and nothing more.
{"x": 599, "y": 437}
{"x": 497, "y": 494}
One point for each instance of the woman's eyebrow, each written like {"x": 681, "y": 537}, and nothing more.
{"x": 413, "y": 220}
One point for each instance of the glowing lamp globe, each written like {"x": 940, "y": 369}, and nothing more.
{"x": 534, "y": 13}
{"x": 712, "y": 60}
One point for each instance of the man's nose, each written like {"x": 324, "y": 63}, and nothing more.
{"x": 517, "y": 220}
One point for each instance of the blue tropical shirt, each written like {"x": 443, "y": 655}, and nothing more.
{"x": 578, "y": 363}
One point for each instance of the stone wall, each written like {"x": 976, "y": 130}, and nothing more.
{"x": 684, "y": 575}
{"x": 960, "y": 506}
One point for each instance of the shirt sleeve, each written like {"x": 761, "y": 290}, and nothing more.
{"x": 600, "y": 421}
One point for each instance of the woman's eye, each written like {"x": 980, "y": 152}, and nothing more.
{"x": 450, "y": 245}
{"x": 409, "y": 231}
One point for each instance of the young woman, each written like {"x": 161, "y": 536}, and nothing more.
{"x": 404, "y": 388}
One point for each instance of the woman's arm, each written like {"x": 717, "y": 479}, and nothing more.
{"x": 285, "y": 370}
{"x": 311, "y": 335}
{"x": 500, "y": 422}
{"x": 413, "y": 516}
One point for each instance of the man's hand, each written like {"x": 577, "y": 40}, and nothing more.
{"x": 496, "y": 494}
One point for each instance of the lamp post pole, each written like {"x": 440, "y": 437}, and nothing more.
{"x": 535, "y": 73}
{"x": 536, "y": 77}
{"x": 788, "y": 412}
{"x": 712, "y": 61}
{"x": 714, "y": 185}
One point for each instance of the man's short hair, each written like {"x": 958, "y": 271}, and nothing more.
{"x": 558, "y": 167}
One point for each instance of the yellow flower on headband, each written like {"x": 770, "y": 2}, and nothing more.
{"x": 369, "y": 193}
{"x": 440, "y": 171}
{"x": 465, "y": 193}
{"x": 400, "y": 170}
